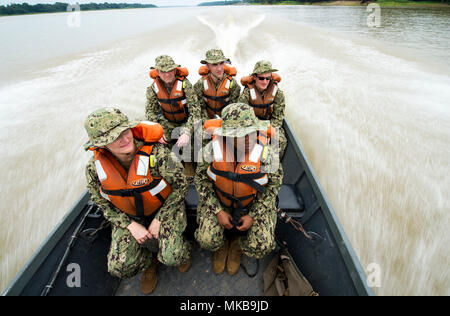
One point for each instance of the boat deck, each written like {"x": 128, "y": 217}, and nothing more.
{"x": 198, "y": 279}
{"x": 327, "y": 260}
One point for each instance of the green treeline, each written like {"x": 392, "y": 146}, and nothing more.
{"x": 229, "y": 2}
{"x": 25, "y": 8}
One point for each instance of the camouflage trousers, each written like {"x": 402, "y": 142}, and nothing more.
{"x": 258, "y": 242}
{"x": 282, "y": 141}
{"x": 126, "y": 257}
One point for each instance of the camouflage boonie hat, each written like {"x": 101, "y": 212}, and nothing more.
{"x": 262, "y": 67}
{"x": 164, "y": 63}
{"x": 214, "y": 56}
{"x": 238, "y": 120}
{"x": 105, "y": 125}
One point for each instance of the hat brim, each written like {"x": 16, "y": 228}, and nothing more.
{"x": 166, "y": 69}
{"x": 112, "y": 135}
{"x": 215, "y": 61}
{"x": 265, "y": 71}
{"x": 241, "y": 131}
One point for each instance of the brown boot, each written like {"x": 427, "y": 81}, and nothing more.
{"x": 149, "y": 278}
{"x": 184, "y": 267}
{"x": 189, "y": 171}
{"x": 234, "y": 256}
{"x": 220, "y": 258}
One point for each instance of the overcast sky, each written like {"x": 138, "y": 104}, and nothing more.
{"x": 156, "y": 2}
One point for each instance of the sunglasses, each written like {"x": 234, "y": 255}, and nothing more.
{"x": 264, "y": 78}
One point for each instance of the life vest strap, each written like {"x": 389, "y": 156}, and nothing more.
{"x": 137, "y": 194}
{"x": 215, "y": 110}
{"x": 143, "y": 153}
{"x": 174, "y": 112}
{"x": 184, "y": 110}
{"x": 234, "y": 199}
{"x": 220, "y": 99}
{"x": 172, "y": 101}
{"x": 262, "y": 106}
{"x": 244, "y": 178}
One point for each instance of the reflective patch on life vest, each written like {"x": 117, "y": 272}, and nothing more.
{"x": 205, "y": 85}
{"x": 148, "y": 123}
{"x": 211, "y": 174}
{"x": 253, "y": 94}
{"x": 162, "y": 184}
{"x": 155, "y": 86}
{"x": 227, "y": 85}
{"x": 218, "y": 156}
{"x": 256, "y": 153}
{"x": 183, "y": 101}
{"x": 275, "y": 89}
{"x": 263, "y": 180}
{"x": 142, "y": 165}
{"x": 179, "y": 85}
{"x": 106, "y": 196}
{"x": 100, "y": 171}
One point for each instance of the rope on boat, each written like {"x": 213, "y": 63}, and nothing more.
{"x": 70, "y": 244}
{"x": 296, "y": 224}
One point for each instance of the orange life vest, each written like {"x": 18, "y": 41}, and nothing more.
{"x": 262, "y": 105}
{"x": 216, "y": 100}
{"x": 137, "y": 192}
{"x": 173, "y": 105}
{"x": 236, "y": 183}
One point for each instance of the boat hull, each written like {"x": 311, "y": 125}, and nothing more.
{"x": 328, "y": 261}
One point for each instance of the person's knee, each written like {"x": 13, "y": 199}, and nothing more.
{"x": 174, "y": 249}
{"x": 258, "y": 246}
{"x": 126, "y": 258}
{"x": 123, "y": 270}
{"x": 169, "y": 259}
{"x": 209, "y": 233}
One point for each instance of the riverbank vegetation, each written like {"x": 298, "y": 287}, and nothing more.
{"x": 25, "y": 8}
{"x": 383, "y": 3}
{"x": 213, "y": 3}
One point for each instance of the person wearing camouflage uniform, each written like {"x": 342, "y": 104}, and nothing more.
{"x": 258, "y": 240}
{"x": 263, "y": 69}
{"x": 215, "y": 59}
{"x": 165, "y": 64}
{"x": 127, "y": 256}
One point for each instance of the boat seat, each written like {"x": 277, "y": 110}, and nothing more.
{"x": 288, "y": 200}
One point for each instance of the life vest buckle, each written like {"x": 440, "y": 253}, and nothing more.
{"x": 235, "y": 177}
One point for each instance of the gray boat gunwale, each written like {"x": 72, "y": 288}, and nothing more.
{"x": 345, "y": 247}
{"x": 16, "y": 286}
{"x": 351, "y": 261}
